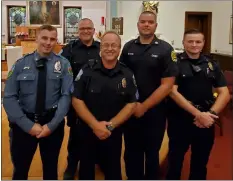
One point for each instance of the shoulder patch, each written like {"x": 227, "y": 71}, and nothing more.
{"x": 173, "y": 56}
{"x": 70, "y": 70}
{"x": 11, "y": 71}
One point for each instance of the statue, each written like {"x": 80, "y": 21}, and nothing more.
{"x": 150, "y": 6}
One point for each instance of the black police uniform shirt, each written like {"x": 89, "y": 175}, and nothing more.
{"x": 149, "y": 64}
{"x": 105, "y": 92}
{"x": 197, "y": 77}
{"x": 78, "y": 54}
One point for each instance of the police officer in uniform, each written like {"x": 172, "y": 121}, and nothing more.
{"x": 192, "y": 109}
{"x": 153, "y": 63}
{"x": 36, "y": 99}
{"x": 104, "y": 98}
{"x": 78, "y": 52}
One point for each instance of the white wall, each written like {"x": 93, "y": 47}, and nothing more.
{"x": 171, "y": 19}
{"x": 90, "y": 9}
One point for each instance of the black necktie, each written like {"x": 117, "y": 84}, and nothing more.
{"x": 41, "y": 86}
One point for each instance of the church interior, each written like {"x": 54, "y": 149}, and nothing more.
{"x": 214, "y": 18}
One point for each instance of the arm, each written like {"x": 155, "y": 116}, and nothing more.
{"x": 129, "y": 108}
{"x": 222, "y": 99}
{"x": 170, "y": 71}
{"x": 123, "y": 115}
{"x": 10, "y": 100}
{"x": 182, "y": 102}
{"x": 65, "y": 99}
{"x": 220, "y": 86}
{"x": 159, "y": 94}
{"x": 82, "y": 110}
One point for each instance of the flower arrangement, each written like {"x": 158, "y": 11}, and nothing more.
{"x": 21, "y": 35}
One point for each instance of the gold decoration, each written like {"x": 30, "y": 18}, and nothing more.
{"x": 150, "y": 6}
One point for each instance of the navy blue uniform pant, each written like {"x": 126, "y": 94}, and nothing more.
{"x": 183, "y": 134}
{"x": 23, "y": 147}
{"x": 107, "y": 152}
{"x": 143, "y": 138}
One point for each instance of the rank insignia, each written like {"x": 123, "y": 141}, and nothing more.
{"x": 123, "y": 82}
{"x": 57, "y": 67}
{"x": 11, "y": 71}
{"x": 210, "y": 66}
{"x": 173, "y": 56}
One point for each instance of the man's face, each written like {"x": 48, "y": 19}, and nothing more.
{"x": 193, "y": 43}
{"x": 147, "y": 24}
{"x": 110, "y": 47}
{"x": 86, "y": 30}
{"x": 46, "y": 41}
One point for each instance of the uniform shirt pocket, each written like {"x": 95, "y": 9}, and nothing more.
{"x": 27, "y": 83}
{"x": 55, "y": 81}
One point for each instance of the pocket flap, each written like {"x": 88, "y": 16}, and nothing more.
{"x": 26, "y": 77}
{"x": 55, "y": 76}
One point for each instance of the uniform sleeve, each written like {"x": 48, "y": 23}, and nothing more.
{"x": 65, "y": 52}
{"x": 10, "y": 101}
{"x": 133, "y": 95}
{"x": 169, "y": 66}
{"x": 80, "y": 84}
{"x": 219, "y": 80}
{"x": 124, "y": 56}
{"x": 65, "y": 99}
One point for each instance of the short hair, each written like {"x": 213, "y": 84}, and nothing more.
{"x": 86, "y": 19}
{"x": 47, "y": 27}
{"x": 149, "y": 12}
{"x": 193, "y": 31}
{"x": 111, "y": 32}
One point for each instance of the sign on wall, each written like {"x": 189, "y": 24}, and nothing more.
{"x": 117, "y": 25}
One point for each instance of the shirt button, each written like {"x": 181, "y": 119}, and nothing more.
{"x": 92, "y": 91}
{"x": 24, "y": 77}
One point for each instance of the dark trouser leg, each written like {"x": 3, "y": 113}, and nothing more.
{"x": 155, "y": 123}
{"x": 73, "y": 153}
{"x": 111, "y": 150}
{"x": 202, "y": 143}
{"x": 134, "y": 149}
{"x": 23, "y": 147}
{"x": 49, "y": 149}
{"x": 88, "y": 153}
{"x": 179, "y": 140}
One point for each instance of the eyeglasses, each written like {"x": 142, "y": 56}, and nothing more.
{"x": 113, "y": 46}
{"x": 88, "y": 29}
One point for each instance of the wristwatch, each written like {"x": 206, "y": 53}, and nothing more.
{"x": 110, "y": 127}
{"x": 213, "y": 112}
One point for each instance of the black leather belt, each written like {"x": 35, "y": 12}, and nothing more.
{"x": 43, "y": 118}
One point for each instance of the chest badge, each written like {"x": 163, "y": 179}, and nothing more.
{"x": 210, "y": 66}
{"x": 57, "y": 67}
{"x": 123, "y": 82}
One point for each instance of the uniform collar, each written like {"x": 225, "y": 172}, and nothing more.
{"x": 37, "y": 56}
{"x": 202, "y": 58}
{"x": 100, "y": 66}
{"x": 94, "y": 44}
{"x": 154, "y": 41}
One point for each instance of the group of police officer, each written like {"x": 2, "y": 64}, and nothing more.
{"x": 104, "y": 98}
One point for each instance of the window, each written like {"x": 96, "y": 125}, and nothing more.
{"x": 16, "y": 16}
{"x": 72, "y": 15}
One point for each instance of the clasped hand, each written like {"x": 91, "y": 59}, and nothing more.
{"x": 205, "y": 120}
{"x": 101, "y": 131}
{"x": 40, "y": 131}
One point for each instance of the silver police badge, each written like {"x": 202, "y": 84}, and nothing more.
{"x": 57, "y": 67}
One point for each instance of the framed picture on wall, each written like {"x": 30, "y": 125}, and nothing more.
{"x": 230, "y": 37}
{"x": 32, "y": 33}
{"x": 44, "y": 12}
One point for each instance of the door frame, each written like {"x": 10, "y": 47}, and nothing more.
{"x": 209, "y": 25}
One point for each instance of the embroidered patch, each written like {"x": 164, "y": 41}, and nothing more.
{"x": 11, "y": 71}
{"x": 173, "y": 56}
